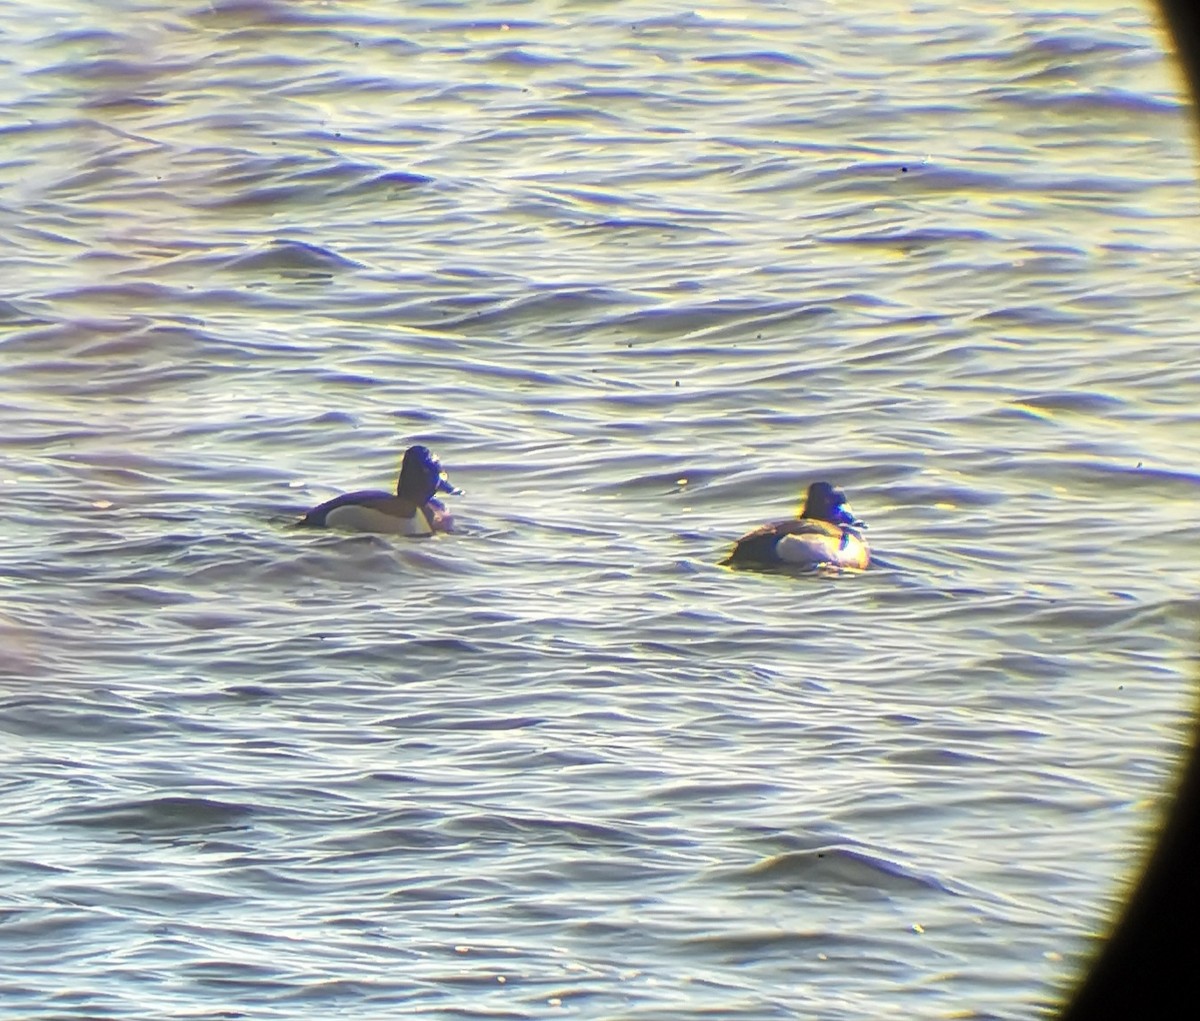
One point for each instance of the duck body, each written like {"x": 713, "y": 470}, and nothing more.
{"x": 375, "y": 510}
{"x": 825, "y": 533}
{"x": 411, "y": 510}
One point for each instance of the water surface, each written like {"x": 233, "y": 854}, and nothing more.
{"x": 638, "y": 273}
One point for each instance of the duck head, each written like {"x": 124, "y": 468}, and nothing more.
{"x": 422, "y": 476}
{"x": 825, "y": 503}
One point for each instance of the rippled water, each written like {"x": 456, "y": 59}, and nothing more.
{"x": 638, "y": 273}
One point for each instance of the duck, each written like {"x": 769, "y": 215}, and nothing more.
{"x": 412, "y": 510}
{"x": 824, "y": 533}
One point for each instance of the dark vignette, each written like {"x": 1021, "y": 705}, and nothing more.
{"x": 1150, "y": 966}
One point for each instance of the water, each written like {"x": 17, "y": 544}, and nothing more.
{"x": 638, "y": 273}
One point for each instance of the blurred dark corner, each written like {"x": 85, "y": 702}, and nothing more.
{"x": 1150, "y": 965}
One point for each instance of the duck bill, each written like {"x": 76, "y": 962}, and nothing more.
{"x": 843, "y": 515}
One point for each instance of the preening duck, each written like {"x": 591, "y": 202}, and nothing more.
{"x": 412, "y": 510}
{"x": 825, "y": 532}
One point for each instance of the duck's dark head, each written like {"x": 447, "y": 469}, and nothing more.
{"x": 422, "y": 476}
{"x": 826, "y": 503}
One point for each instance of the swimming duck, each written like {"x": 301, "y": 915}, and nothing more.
{"x": 413, "y": 510}
{"x": 825, "y": 532}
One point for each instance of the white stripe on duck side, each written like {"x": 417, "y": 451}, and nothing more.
{"x": 846, "y": 550}
{"x": 354, "y": 517}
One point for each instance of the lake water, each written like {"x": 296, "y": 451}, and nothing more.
{"x": 638, "y": 272}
